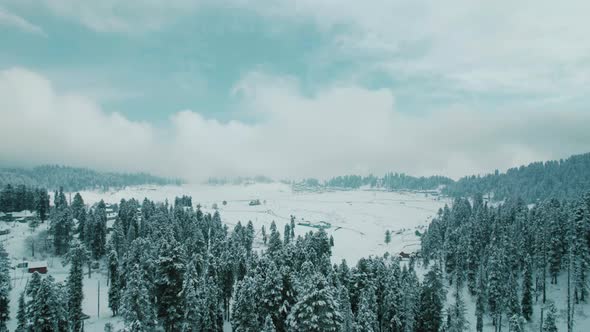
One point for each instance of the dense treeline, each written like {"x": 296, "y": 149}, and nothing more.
{"x": 75, "y": 179}
{"x": 21, "y": 197}
{"x": 505, "y": 255}
{"x": 390, "y": 181}
{"x": 216, "y": 181}
{"x": 562, "y": 179}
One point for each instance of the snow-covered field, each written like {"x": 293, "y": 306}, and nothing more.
{"x": 359, "y": 218}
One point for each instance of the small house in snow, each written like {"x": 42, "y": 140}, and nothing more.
{"x": 404, "y": 255}
{"x": 40, "y": 267}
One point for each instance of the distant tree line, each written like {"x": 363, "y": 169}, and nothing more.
{"x": 75, "y": 179}
{"x": 538, "y": 181}
{"x": 561, "y": 179}
{"x": 21, "y": 197}
{"x": 390, "y": 181}
{"x": 219, "y": 181}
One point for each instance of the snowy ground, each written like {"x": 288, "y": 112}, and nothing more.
{"x": 359, "y": 220}
{"x": 18, "y": 247}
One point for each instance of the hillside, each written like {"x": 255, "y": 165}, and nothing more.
{"x": 563, "y": 179}
{"x": 74, "y": 179}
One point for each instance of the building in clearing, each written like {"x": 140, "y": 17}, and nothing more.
{"x": 40, "y": 267}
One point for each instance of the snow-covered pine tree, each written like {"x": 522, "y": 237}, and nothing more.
{"x": 245, "y": 316}
{"x": 366, "y": 316}
{"x": 170, "y": 271}
{"x": 62, "y": 227}
{"x": 457, "y": 320}
{"x": 5, "y": 287}
{"x": 79, "y": 213}
{"x": 269, "y": 326}
{"x": 272, "y": 288}
{"x": 513, "y": 303}
{"x": 114, "y": 282}
{"x": 44, "y": 312}
{"x": 137, "y": 310}
{"x": 516, "y": 324}
{"x": 581, "y": 254}
{"x": 549, "y": 324}
{"x": 527, "y": 289}
{"x": 480, "y": 299}
{"x": 76, "y": 257}
{"x": 21, "y": 315}
{"x": 192, "y": 304}
{"x": 432, "y": 299}
{"x": 316, "y": 309}
{"x": 347, "y": 324}
{"x": 274, "y": 241}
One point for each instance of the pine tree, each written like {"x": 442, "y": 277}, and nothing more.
{"x": 136, "y": 308}
{"x": 62, "y": 228}
{"x": 245, "y": 315}
{"x": 170, "y": 271}
{"x": 5, "y": 287}
{"x": 42, "y": 204}
{"x": 114, "y": 285}
{"x": 513, "y": 301}
{"x": 387, "y": 236}
{"x": 274, "y": 242}
{"x": 345, "y": 310}
{"x": 516, "y": 324}
{"x": 21, "y": 315}
{"x": 366, "y": 317}
{"x": 45, "y": 315}
{"x": 429, "y": 315}
{"x": 316, "y": 309}
{"x": 549, "y": 324}
{"x": 527, "y": 289}
{"x": 480, "y": 300}
{"x": 458, "y": 321}
{"x": 98, "y": 228}
{"x": 269, "y": 326}
{"x": 192, "y": 304}
{"x": 76, "y": 257}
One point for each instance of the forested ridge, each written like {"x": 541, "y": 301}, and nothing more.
{"x": 562, "y": 179}
{"x": 53, "y": 177}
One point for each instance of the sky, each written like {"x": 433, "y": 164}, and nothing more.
{"x": 293, "y": 89}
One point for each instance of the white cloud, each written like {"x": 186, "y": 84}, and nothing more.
{"x": 340, "y": 129}
{"x": 494, "y": 46}
{"x": 127, "y": 16}
{"x": 9, "y": 19}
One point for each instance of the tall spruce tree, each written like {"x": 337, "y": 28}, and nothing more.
{"x": 114, "y": 283}
{"x": 431, "y": 302}
{"x": 5, "y": 287}
{"x": 136, "y": 308}
{"x": 316, "y": 309}
{"x": 77, "y": 256}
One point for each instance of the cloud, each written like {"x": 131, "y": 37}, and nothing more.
{"x": 528, "y": 47}
{"x": 128, "y": 16}
{"x": 339, "y": 129}
{"x": 10, "y": 19}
